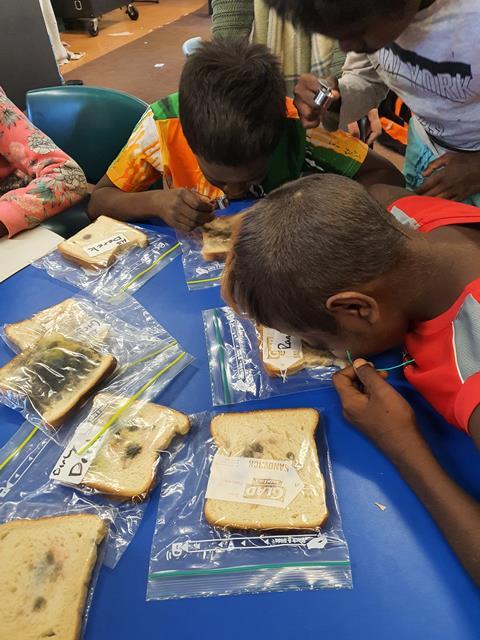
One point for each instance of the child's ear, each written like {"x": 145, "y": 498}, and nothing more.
{"x": 352, "y": 305}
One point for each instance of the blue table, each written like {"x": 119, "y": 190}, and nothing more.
{"x": 407, "y": 582}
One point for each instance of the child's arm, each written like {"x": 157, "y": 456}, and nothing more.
{"x": 359, "y": 88}
{"x": 386, "y": 418}
{"x": 474, "y": 426}
{"x": 54, "y": 181}
{"x": 387, "y": 194}
{"x": 339, "y": 152}
{"x": 232, "y": 18}
{"x": 378, "y": 170}
{"x": 180, "y": 208}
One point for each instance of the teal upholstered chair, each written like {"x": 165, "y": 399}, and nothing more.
{"x": 91, "y": 124}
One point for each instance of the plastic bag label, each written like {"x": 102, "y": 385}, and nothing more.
{"x": 103, "y": 246}
{"x": 71, "y": 467}
{"x": 270, "y": 483}
{"x": 280, "y": 350}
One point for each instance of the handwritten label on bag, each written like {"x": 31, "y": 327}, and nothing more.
{"x": 103, "y": 246}
{"x": 270, "y": 483}
{"x": 280, "y": 350}
{"x": 71, "y": 468}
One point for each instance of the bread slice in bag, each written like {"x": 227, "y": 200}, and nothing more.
{"x": 47, "y": 567}
{"x": 283, "y": 355}
{"x": 98, "y": 245}
{"x": 69, "y": 316}
{"x": 285, "y": 436}
{"x": 217, "y": 237}
{"x": 125, "y": 464}
{"x": 55, "y": 375}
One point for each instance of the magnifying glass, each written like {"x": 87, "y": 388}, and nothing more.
{"x": 324, "y": 96}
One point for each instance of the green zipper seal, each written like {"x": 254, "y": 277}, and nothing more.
{"x": 160, "y": 575}
{"x": 154, "y": 264}
{"x": 223, "y": 370}
{"x": 204, "y": 280}
{"x": 17, "y": 450}
{"x": 129, "y": 402}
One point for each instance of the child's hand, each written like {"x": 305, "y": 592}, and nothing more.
{"x": 374, "y": 128}
{"x": 454, "y": 176}
{"x": 305, "y": 91}
{"x": 372, "y": 405}
{"x": 183, "y": 209}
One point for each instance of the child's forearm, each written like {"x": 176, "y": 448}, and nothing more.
{"x": 455, "y": 512}
{"x": 378, "y": 170}
{"x": 180, "y": 208}
{"x": 121, "y": 205}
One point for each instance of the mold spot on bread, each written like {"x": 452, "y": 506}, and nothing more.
{"x": 48, "y": 634}
{"x": 39, "y": 604}
{"x": 48, "y": 568}
{"x": 290, "y": 455}
{"x": 252, "y": 450}
{"x": 133, "y": 450}
{"x": 55, "y": 367}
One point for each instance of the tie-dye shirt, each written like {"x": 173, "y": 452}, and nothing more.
{"x": 37, "y": 179}
{"x": 158, "y": 149}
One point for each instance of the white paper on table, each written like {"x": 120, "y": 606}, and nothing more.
{"x": 18, "y": 252}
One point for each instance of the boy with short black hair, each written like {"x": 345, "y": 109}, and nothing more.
{"x": 428, "y": 53}
{"x": 230, "y": 130}
{"x": 374, "y": 281}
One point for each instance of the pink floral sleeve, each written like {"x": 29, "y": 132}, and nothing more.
{"x": 37, "y": 179}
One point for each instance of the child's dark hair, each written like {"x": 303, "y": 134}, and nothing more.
{"x": 305, "y": 242}
{"x": 313, "y": 15}
{"x": 232, "y": 102}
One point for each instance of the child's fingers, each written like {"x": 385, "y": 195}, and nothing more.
{"x": 203, "y": 217}
{"x": 194, "y": 218}
{"x": 306, "y": 91}
{"x": 346, "y": 385}
{"x": 439, "y": 191}
{"x": 369, "y": 376}
{"x": 310, "y": 122}
{"x": 354, "y": 129}
{"x": 349, "y": 372}
{"x": 307, "y": 84}
{"x": 183, "y": 227}
{"x": 440, "y": 162}
{"x": 436, "y": 182}
{"x": 186, "y": 220}
{"x": 196, "y": 202}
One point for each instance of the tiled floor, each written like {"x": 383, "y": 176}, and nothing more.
{"x": 151, "y": 17}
